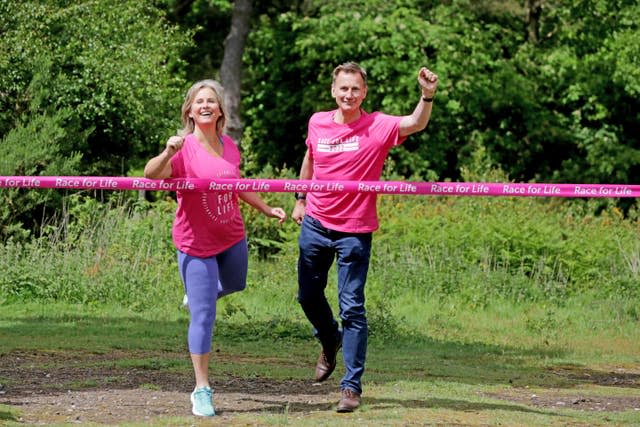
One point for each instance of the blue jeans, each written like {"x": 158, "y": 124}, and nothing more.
{"x": 318, "y": 248}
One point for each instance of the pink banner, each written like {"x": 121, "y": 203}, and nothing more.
{"x": 284, "y": 185}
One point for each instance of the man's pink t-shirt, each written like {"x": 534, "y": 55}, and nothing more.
{"x": 353, "y": 152}
{"x": 206, "y": 224}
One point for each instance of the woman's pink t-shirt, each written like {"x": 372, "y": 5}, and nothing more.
{"x": 353, "y": 152}
{"x": 206, "y": 223}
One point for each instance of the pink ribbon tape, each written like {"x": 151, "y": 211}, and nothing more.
{"x": 285, "y": 185}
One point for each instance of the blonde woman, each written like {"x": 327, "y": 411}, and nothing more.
{"x": 208, "y": 230}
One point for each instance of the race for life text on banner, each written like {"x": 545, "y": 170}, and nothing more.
{"x": 336, "y": 186}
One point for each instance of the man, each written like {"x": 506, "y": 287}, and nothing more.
{"x": 346, "y": 144}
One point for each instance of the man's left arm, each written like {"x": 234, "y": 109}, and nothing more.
{"x": 418, "y": 120}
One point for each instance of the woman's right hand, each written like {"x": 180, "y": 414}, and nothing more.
{"x": 174, "y": 144}
{"x": 160, "y": 166}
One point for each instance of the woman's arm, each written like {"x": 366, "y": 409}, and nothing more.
{"x": 256, "y": 201}
{"x": 159, "y": 167}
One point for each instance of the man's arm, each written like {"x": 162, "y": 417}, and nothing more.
{"x": 306, "y": 173}
{"x": 418, "y": 120}
{"x": 306, "y": 170}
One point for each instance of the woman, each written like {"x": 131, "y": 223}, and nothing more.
{"x": 208, "y": 230}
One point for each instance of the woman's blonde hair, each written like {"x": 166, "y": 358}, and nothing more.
{"x": 188, "y": 125}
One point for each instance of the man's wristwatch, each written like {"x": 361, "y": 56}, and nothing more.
{"x": 300, "y": 196}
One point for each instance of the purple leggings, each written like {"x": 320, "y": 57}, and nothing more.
{"x": 205, "y": 281}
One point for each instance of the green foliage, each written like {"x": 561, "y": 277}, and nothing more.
{"x": 563, "y": 107}
{"x": 479, "y": 249}
{"x": 202, "y": 18}
{"x": 114, "y": 65}
{"x": 86, "y": 88}
{"x": 593, "y": 89}
{"x": 119, "y": 253}
{"x": 33, "y": 147}
{"x": 264, "y": 234}
{"x": 474, "y": 251}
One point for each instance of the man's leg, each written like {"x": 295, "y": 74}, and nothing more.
{"x": 353, "y": 264}
{"x": 314, "y": 262}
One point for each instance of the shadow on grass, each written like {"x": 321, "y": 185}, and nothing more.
{"x": 374, "y": 404}
{"x": 436, "y": 403}
{"x": 279, "y": 407}
{"x": 7, "y": 416}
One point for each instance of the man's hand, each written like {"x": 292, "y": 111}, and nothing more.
{"x": 298, "y": 212}
{"x": 428, "y": 82}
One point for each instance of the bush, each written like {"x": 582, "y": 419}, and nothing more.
{"x": 515, "y": 248}
{"x": 118, "y": 252}
{"x": 472, "y": 250}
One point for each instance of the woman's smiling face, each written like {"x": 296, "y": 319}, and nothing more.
{"x": 205, "y": 109}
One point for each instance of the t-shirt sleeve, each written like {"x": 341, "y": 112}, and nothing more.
{"x": 232, "y": 152}
{"x": 307, "y": 141}
{"x": 389, "y": 126}
{"x": 177, "y": 165}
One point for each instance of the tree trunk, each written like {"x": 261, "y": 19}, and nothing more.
{"x": 231, "y": 68}
{"x": 534, "y": 10}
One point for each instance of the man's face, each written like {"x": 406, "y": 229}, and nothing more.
{"x": 349, "y": 91}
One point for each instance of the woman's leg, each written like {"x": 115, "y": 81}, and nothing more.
{"x": 232, "y": 269}
{"x": 200, "y": 276}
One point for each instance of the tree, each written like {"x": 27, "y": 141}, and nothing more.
{"x": 546, "y": 89}
{"x": 591, "y": 60}
{"x": 85, "y": 88}
{"x": 207, "y": 21}
{"x": 231, "y": 69}
{"x": 122, "y": 86}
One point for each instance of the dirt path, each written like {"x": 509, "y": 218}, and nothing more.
{"x": 56, "y": 388}
{"x": 61, "y": 388}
